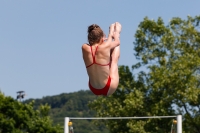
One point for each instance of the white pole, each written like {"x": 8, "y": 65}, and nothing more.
{"x": 66, "y": 127}
{"x": 179, "y": 124}
{"x": 114, "y": 118}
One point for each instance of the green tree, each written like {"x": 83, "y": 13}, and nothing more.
{"x": 172, "y": 55}
{"x": 170, "y": 84}
{"x": 17, "y": 117}
{"x": 131, "y": 99}
{"x": 71, "y": 105}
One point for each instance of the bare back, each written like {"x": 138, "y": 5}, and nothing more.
{"x": 99, "y": 71}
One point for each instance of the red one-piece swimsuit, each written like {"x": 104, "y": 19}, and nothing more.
{"x": 104, "y": 90}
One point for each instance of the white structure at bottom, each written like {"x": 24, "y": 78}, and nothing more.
{"x": 178, "y": 118}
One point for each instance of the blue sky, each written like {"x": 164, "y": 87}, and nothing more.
{"x": 40, "y": 40}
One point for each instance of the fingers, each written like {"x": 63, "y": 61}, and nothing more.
{"x": 105, "y": 39}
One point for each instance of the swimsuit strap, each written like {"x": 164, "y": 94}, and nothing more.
{"x": 93, "y": 57}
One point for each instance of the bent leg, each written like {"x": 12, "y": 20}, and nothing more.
{"x": 114, "y": 70}
{"x": 118, "y": 27}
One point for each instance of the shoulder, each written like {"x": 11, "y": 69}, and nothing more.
{"x": 85, "y": 47}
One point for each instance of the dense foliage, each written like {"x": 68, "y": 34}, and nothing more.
{"x": 17, "y": 117}
{"x": 167, "y": 84}
{"x": 72, "y": 105}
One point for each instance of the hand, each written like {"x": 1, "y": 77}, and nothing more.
{"x": 105, "y": 39}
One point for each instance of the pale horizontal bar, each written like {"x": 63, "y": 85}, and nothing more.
{"x": 113, "y": 118}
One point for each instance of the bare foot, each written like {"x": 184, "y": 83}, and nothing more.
{"x": 118, "y": 27}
